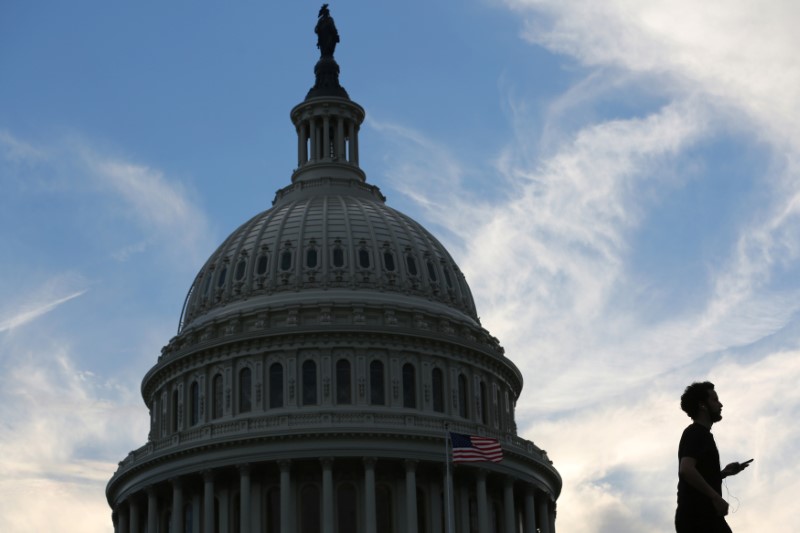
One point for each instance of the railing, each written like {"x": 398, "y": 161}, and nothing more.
{"x": 326, "y": 421}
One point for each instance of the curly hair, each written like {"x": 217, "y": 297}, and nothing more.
{"x": 693, "y": 396}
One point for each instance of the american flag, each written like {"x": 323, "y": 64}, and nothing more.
{"x": 472, "y": 449}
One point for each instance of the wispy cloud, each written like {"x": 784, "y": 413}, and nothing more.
{"x": 38, "y": 309}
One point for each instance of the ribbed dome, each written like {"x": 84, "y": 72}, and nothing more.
{"x": 337, "y": 241}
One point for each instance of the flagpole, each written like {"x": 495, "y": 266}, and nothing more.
{"x": 448, "y": 479}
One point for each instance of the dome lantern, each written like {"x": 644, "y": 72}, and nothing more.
{"x": 327, "y": 121}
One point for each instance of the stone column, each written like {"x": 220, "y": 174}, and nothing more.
{"x": 355, "y": 143}
{"x": 115, "y": 520}
{"x": 552, "y": 517}
{"x": 133, "y": 515}
{"x": 196, "y": 512}
{"x": 411, "y": 496}
{"x": 208, "y": 501}
{"x": 223, "y": 518}
{"x": 351, "y": 132}
{"x": 313, "y": 135}
{"x": 327, "y": 495}
{"x": 463, "y": 509}
{"x": 177, "y": 506}
{"x": 435, "y": 505}
{"x": 509, "y": 517}
{"x": 326, "y": 138}
{"x": 369, "y": 494}
{"x": 123, "y": 520}
{"x": 483, "y": 502}
{"x": 302, "y": 153}
{"x": 530, "y": 511}
{"x": 244, "y": 498}
{"x": 544, "y": 513}
{"x": 340, "y": 154}
{"x": 286, "y": 496}
{"x": 152, "y": 509}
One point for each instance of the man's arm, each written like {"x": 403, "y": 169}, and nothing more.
{"x": 734, "y": 468}
{"x": 688, "y": 471}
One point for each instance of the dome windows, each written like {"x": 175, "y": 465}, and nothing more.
{"x": 409, "y": 386}
{"x": 194, "y": 403}
{"x": 363, "y": 258}
{"x": 245, "y": 390}
{"x": 438, "y": 390}
{"x": 343, "y": 382}
{"x": 463, "y": 406}
{"x": 262, "y": 263}
{"x": 338, "y": 254}
{"x": 221, "y": 278}
{"x": 309, "y": 382}
{"x": 241, "y": 268}
{"x": 286, "y": 260}
{"x": 275, "y": 385}
{"x": 216, "y": 396}
{"x": 312, "y": 259}
{"x": 431, "y": 271}
{"x": 377, "y": 394}
{"x": 411, "y": 265}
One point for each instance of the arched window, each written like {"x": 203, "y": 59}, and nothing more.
{"x": 383, "y": 508}
{"x": 463, "y": 407}
{"x": 194, "y": 403}
{"x": 216, "y": 396}
{"x": 276, "y": 385}
{"x": 346, "y": 509}
{"x": 484, "y": 403}
{"x": 309, "y": 510}
{"x": 409, "y": 386}
{"x": 388, "y": 261}
{"x": 309, "y": 382}
{"x": 377, "y": 396}
{"x": 245, "y": 390}
{"x": 438, "y": 390}
{"x": 174, "y": 410}
{"x": 343, "y": 380}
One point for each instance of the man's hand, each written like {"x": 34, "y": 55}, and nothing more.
{"x": 720, "y": 505}
{"x": 734, "y": 468}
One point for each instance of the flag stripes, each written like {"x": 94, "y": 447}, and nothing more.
{"x": 472, "y": 449}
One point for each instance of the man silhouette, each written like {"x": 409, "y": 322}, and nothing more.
{"x": 701, "y": 508}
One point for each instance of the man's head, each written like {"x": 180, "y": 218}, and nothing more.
{"x": 700, "y": 399}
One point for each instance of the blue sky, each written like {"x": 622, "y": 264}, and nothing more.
{"x": 618, "y": 181}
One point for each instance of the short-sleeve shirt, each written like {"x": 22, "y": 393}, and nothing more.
{"x": 698, "y": 442}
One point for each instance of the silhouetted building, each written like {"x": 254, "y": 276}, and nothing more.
{"x": 322, "y": 349}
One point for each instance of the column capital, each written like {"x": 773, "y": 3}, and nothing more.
{"x": 244, "y": 468}
{"x": 369, "y": 462}
{"x": 208, "y": 475}
{"x": 150, "y": 491}
{"x": 176, "y": 481}
{"x": 327, "y": 462}
{"x": 411, "y": 465}
{"x": 508, "y": 481}
{"x": 285, "y": 465}
{"x": 481, "y": 473}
